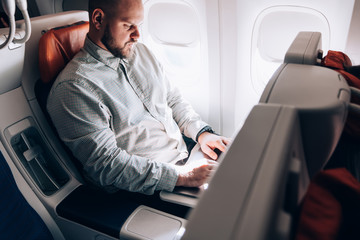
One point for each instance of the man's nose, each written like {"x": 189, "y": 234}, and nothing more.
{"x": 136, "y": 33}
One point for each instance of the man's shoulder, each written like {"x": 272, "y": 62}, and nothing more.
{"x": 82, "y": 59}
{"x": 73, "y": 72}
{"x": 81, "y": 62}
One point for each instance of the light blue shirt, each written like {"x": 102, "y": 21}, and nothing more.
{"x": 122, "y": 119}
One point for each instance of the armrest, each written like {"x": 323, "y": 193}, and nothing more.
{"x": 107, "y": 212}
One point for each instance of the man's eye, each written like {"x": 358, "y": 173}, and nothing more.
{"x": 128, "y": 27}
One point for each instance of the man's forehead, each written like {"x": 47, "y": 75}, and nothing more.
{"x": 138, "y": 20}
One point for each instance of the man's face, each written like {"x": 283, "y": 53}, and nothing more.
{"x": 122, "y": 31}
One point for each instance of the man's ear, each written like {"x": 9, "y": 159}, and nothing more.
{"x": 97, "y": 18}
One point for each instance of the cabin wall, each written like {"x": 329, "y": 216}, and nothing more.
{"x": 241, "y": 45}
{"x": 266, "y": 30}
{"x": 353, "y": 41}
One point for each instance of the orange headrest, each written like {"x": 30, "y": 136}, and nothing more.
{"x": 58, "y": 46}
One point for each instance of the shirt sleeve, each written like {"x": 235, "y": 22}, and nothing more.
{"x": 84, "y": 125}
{"x": 188, "y": 120}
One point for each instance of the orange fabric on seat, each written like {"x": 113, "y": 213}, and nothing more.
{"x": 339, "y": 61}
{"x": 58, "y": 46}
{"x": 330, "y": 209}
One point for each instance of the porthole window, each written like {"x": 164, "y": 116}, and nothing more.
{"x": 274, "y": 30}
{"x": 172, "y": 31}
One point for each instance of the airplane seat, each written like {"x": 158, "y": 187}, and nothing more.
{"x": 56, "y": 48}
{"x": 325, "y": 212}
{"x": 305, "y": 49}
{"x": 322, "y": 113}
{"x": 341, "y": 63}
{"x": 18, "y": 219}
{"x": 285, "y": 141}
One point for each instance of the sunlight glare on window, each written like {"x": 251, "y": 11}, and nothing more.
{"x": 181, "y": 63}
{"x": 174, "y": 37}
{"x": 272, "y": 37}
{"x": 263, "y": 69}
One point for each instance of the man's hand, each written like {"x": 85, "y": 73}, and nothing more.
{"x": 209, "y": 142}
{"x": 195, "y": 174}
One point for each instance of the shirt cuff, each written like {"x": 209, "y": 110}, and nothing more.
{"x": 192, "y": 130}
{"x": 204, "y": 129}
{"x": 168, "y": 178}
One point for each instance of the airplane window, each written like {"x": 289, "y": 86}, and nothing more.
{"x": 172, "y": 32}
{"x": 181, "y": 63}
{"x": 176, "y": 32}
{"x": 173, "y": 24}
{"x": 272, "y": 36}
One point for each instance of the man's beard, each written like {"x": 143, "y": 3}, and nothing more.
{"x": 109, "y": 43}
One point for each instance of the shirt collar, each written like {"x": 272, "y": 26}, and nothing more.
{"x": 101, "y": 55}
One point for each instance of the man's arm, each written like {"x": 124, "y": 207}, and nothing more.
{"x": 191, "y": 124}
{"x": 83, "y": 123}
{"x": 187, "y": 119}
